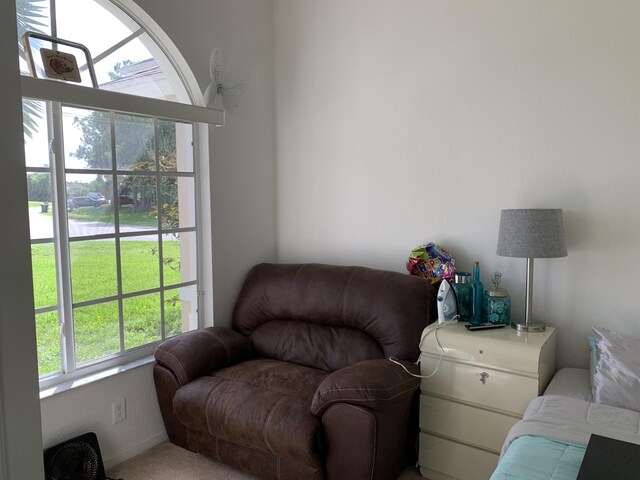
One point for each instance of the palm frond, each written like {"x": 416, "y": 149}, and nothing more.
{"x": 31, "y": 112}
{"x": 29, "y": 16}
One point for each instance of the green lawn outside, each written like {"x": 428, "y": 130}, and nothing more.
{"x": 94, "y": 276}
{"x": 104, "y": 213}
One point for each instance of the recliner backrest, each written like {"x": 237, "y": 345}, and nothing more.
{"x": 329, "y": 317}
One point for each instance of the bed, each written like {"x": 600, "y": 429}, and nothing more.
{"x": 550, "y": 441}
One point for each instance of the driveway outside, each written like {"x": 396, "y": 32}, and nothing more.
{"x": 41, "y": 226}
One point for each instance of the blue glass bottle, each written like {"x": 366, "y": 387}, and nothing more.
{"x": 462, "y": 287}
{"x": 477, "y": 296}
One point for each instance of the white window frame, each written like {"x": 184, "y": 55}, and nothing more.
{"x": 95, "y": 99}
{"x": 200, "y": 117}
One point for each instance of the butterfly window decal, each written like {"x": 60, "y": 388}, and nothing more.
{"x": 228, "y": 88}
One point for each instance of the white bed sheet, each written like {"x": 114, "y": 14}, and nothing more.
{"x": 565, "y": 413}
{"x": 572, "y": 420}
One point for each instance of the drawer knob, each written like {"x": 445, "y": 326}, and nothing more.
{"x": 483, "y": 377}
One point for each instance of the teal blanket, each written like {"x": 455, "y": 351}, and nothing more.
{"x": 540, "y": 458}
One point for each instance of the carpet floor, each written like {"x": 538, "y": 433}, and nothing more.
{"x": 170, "y": 462}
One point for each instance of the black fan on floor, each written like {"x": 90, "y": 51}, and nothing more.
{"x": 75, "y": 459}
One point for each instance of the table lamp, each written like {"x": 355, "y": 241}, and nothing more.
{"x": 531, "y": 233}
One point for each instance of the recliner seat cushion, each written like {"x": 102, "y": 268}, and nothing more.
{"x": 262, "y": 404}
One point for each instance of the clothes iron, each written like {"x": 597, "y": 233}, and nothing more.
{"x": 447, "y": 304}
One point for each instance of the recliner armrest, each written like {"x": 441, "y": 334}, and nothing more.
{"x": 200, "y": 352}
{"x": 371, "y": 383}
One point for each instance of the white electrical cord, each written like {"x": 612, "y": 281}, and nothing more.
{"x": 425, "y": 334}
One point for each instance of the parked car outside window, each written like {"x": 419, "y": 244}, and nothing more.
{"x": 82, "y": 201}
{"x": 98, "y": 198}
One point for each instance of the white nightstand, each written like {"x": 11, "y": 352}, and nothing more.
{"x": 482, "y": 387}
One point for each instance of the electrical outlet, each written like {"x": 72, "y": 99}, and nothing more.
{"x": 119, "y": 411}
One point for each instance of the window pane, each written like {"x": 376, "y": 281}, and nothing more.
{"x": 135, "y": 143}
{"x": 179, "y": 253}
{"x": 130, "y": 69}
{"x": 180, "y": 310}
{"x": 141, "y": 68}
{"x": 73, "y": 23}
{"x": 89, "y": 207}
{"x": 141, "y": 320}
{"x": 97, "y": 331}
{"x": 175, "y": 146}
{"x": 48, "y": 339}
{"x": 43, "y": 264}
{"x": 40, "y": 205}
{"x": 178, "y": 202}
{"x": 140, "y": 263}
{"x": 36, "y": 136}
{"x": 87, "y": 139}
{"x": 93, "y": 270}
{"x": 137, "y": 203}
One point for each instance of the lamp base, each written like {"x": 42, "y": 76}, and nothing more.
{"x": 532, "y": 327}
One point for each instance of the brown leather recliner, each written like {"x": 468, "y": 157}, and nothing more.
{"x": 301, "y": 386}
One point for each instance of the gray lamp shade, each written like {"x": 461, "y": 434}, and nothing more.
{"x": 531, "y": 233}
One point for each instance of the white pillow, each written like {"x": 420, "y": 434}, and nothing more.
{"x": 616, "y": 380}
{"x": 593, "y": 357}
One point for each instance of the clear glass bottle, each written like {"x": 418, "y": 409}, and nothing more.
{"x": 477, "y": 296}
{"x": 462, "y": 287}
{"x": 497, "y": 303}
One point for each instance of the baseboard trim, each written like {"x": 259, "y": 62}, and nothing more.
{"x": 134, "y": 450}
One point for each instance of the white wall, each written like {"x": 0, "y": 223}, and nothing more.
{"x": 243, "y": 204}
{"x": 20, "y": 441}
{"x": 410, "y": 121}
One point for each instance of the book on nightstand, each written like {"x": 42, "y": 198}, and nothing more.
{"x": 610, "y": 458}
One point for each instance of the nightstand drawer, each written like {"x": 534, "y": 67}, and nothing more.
{"x": 443, "y": 459}
{"x": 478, "y": 385}
{"x": 467, "y": 424}
{"x": 504, "y": 349}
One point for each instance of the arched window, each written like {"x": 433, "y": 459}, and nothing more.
{"x": 113, "y": 187}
